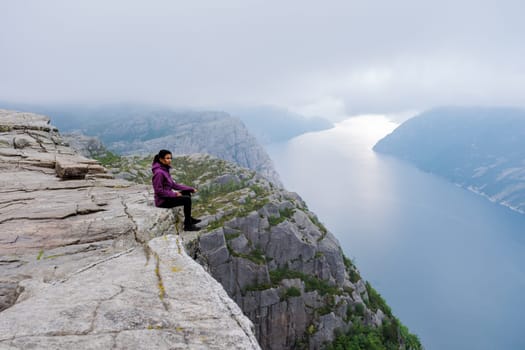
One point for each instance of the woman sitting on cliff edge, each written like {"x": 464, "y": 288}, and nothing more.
{"x": 163, "y": 186}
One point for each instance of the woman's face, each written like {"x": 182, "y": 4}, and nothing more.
{"x": 166, "y": 160}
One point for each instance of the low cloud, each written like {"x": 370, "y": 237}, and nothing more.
{"x": 329, "y": 59}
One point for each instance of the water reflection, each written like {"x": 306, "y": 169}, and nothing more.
{"x": 450, "y": 263}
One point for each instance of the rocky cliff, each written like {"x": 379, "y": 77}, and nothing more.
{"x": 142, "y": 129}
{"x": 277, "y": 261}
{"x": 87, "y": 262}
{"x": 482, "y": 149}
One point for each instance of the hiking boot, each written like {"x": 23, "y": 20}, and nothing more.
{"x": 195, "y": 221}
{"x": 191, "y": 227}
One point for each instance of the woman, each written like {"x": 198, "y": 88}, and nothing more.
{"x": 163, "y": 185}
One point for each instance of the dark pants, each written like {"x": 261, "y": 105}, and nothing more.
{"x": 184, "y": 200}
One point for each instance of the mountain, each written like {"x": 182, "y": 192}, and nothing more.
{"x": 87, "y": 260}
{"x": 273, "y": 125}
{"x": 142, "y": 129}
{"x": 276, "y": 260}
{"x": 482, "y": 149}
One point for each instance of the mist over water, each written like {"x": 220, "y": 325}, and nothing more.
{"x": 450, "y": 263}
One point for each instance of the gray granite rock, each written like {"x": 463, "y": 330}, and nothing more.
{"x": 87, "y": 262}
{"x": 286, "y": 271}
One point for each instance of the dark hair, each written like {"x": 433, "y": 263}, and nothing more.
{"x": 162, "y": 153}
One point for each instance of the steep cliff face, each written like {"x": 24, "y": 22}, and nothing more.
{"x": 279, "y": 263}
{"x": 87, "y": 262}
{"x": 482, "y": 149}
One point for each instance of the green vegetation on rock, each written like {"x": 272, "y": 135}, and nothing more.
{"x": 391, "y": 335}
{"x": 227, "y": 194}
{"x": 375, "y": 301}
{"x": 311, "y": 282}
{"x": 109, "y": 159}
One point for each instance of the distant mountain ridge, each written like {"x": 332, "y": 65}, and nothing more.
{"x": 273, "y": 125}
{"x": 142, "y": 129}
{"x": 482, "y": 149}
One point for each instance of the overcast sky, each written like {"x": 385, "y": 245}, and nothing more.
{"x": 328, "y": 58}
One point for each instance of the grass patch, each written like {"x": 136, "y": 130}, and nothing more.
{"x": 284, "y": 214}
{"x": 351, "y": 269}
{"x": 291, "y": 292}
{"x": 376, "y": 301}
{"x": 239, "y": 212}
{"x": 218, "y": 223}
{"x": 257, "y": 256}
{"x": 324, "y": 310}
{"x": 275, "y": 220}
{"x": 217, "y": 190}
{"x": 259, "y": 191}
{"x": 311, "y": 283}
{"x": 257, "y": 287}
{"x": 231, "y": 236}
{"x": 110, "y": 159}
{"x": 357, "y": 310}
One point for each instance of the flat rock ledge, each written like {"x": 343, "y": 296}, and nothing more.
{"x": 142, "y": 298}
{"x": 87, "y": 262}
{"x": 28, "y": 140}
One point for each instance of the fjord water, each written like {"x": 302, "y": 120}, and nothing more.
{"x": 450, "y": 263}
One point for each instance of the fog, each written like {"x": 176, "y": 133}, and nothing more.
{"x": 331, "y": 58}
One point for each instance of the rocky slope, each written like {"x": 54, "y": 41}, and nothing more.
{"x": 141, "y": 129}
{"x": 277, "y": 261}
{"x": 87, "y": 262}
{"x": 482, "y": 149}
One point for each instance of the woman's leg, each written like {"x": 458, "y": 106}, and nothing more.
{"x": 188, "y": 193}
{"x": 181, "y": 201}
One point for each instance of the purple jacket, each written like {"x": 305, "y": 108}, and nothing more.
{"x": 163, "y": 184}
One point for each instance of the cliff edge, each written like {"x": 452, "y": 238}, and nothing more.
{"x": 87, "y": 262}
{"x": 277, "y": 261}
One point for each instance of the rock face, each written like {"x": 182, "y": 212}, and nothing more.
{"x": 286, "y": 272}
{"x": 134, "y": 130}
{"x": 87, "y": 146}
{"x": 277, "y": 261}
{"x": 87, "y": 262}
{"x": 482, "y": 149}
